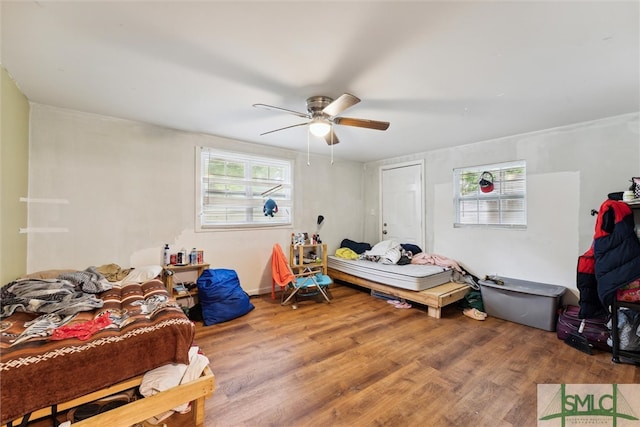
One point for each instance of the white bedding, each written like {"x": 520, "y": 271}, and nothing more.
{"x": 414, "y": 277}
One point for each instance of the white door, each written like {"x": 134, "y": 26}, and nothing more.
{"x": 402, "y": 215}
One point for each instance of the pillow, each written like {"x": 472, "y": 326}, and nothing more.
{"x": 143, "y": 274}
{"x": 410, "y": 247}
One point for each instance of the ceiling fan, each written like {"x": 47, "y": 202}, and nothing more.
{"x": 322, "y": 112}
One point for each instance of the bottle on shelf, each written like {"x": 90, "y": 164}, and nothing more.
{"x": 182, "y": 257}
{"x": 166, "y": 258}
{"x": 193, "y": 257}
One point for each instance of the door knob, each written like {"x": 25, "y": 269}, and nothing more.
{"x": 384, "y": 231}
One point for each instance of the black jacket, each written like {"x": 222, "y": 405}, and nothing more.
{"x": 616, "y": 249}
{"x": 590, "y": 304}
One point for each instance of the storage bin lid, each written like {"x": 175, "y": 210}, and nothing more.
{"x": 526, "y": 287}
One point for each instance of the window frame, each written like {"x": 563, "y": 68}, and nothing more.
{"x": 498, "y": 195}
{"x": 280, "y": 190}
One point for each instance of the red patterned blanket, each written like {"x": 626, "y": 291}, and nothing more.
{"x": 145, "y": 329}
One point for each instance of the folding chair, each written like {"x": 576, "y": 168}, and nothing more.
{"x": 309, "y": 282}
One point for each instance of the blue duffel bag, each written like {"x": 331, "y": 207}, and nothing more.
{"x": 221, "y": 296}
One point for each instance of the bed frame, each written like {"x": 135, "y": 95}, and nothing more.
{"x": 139, "y": 410}
{"x": 434, "y": 298}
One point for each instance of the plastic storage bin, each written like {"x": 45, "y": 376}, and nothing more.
{"x": 521, "y": 301}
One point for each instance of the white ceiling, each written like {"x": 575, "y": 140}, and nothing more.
{"x": 443, "y": 73}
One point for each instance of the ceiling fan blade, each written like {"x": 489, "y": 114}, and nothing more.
{"x": 288, "y": 127}
{"x": 331, "y": 138}
{"x": 343, "y": 102}
{"x": 361, "y": 123}
{"x": 271, "y": 107}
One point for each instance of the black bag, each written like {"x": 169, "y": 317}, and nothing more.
{"x": 595, "y": 328}
{"x": 635, "y": 186}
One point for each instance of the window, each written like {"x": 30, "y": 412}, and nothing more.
{"x": 233, "y": 187}
{"x": 505, "y": 206}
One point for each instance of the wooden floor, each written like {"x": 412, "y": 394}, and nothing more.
{"x": 361, "y": 362}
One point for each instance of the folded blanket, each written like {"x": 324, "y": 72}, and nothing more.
{"x": 442, "y": 261}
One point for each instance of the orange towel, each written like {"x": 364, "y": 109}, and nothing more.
{"x": 280, "y": 270}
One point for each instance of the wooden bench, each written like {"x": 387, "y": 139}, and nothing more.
{"x": 434, "y": 298}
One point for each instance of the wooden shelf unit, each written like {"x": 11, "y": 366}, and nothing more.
{"x": 174, "y": 269}
{"x": 297, "y": 255}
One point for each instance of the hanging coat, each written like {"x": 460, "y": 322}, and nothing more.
{"x": 616, "y": 249}
{"x": 590, "y": 304}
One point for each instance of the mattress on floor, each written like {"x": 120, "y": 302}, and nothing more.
{"x": 414, "y": 277}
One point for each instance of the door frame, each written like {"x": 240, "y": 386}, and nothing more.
{"x": 417, "y": 162}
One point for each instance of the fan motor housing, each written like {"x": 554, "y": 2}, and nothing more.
{"x": 315, "y": 104}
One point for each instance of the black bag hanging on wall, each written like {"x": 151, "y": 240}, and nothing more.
{"x": 595, "y": 328}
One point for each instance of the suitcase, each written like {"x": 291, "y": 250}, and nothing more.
{"x": 595, "y": 329}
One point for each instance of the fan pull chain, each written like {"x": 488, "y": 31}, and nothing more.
{"x": 332, "y": 144}
{"x": 308, "y": 143}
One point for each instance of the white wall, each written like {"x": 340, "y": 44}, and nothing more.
{"x": 570, "y": 171}
{"x": 130, "y": 188}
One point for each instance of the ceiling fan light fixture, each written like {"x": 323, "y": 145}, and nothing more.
{"x": 320, "y": 127}
{"x": 323, "y": 113}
